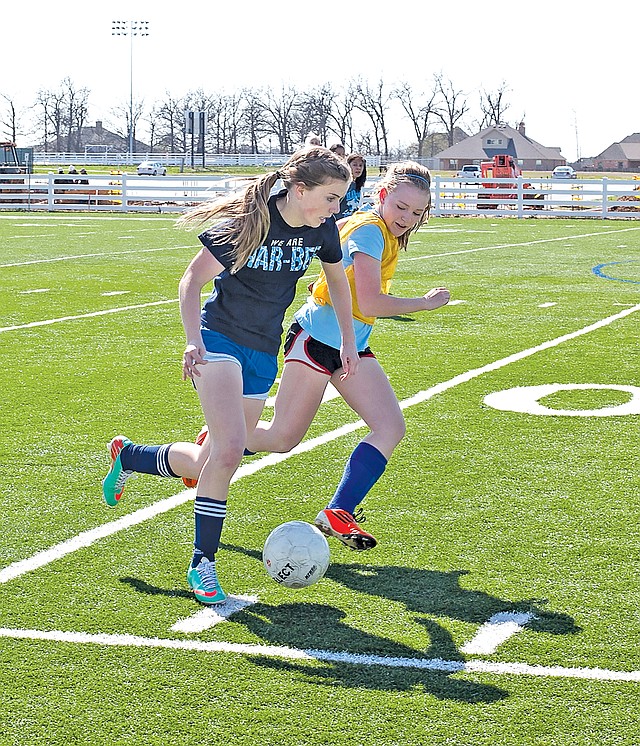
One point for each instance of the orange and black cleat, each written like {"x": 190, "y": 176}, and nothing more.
{"x": 342, "y": 526}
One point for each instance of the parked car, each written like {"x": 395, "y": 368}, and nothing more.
{"x": 152, "y": 168}
{"x": 563, "y": 172}
{"x": 471, "y": 170}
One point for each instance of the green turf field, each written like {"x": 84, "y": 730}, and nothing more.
{"x": 500, "y": 607}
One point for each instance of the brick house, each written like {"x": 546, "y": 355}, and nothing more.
{"x": 499, "y": 139}
{"x": 620, "y": 156}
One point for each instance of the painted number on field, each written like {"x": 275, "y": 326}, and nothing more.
{"x": 526, "y": 399}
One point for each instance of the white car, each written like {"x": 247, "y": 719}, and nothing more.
{"x": 151, "y": 168}
{"x": 563, "y": 172}
{"x": 471, "y": 170}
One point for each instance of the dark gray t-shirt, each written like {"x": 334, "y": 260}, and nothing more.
{"x": 249, "y": 306}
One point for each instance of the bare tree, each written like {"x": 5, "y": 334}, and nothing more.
{"x": 152, "y": 124}
{"x": 454, "y": 106}
{"x": 420, "y": 109}
{"x": 170, "y": 123}
{"x": 312, "y": 113}
{"x": 224, "y": 115}
{"x": 374, "y": 102}
{"x": 75, "y": 100}
{"x": 127, "y": 119}
{"x": 340, "y": 119}
{"x": 9, "y": 119}
{"x": 251, "y": 123}
{"x": 50, "y": 110}
{"x": 232, "y": 120}
{"x": 364, "y": 142}
{"x": 493, "y": 106}
{"x": 61, "y": 115}
{"x": 278, "y": 114}
{"x": 42, "y": 120}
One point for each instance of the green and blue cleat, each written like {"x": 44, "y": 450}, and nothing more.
{"x": 113, "y": 483}
{"x": 204, "y": 582}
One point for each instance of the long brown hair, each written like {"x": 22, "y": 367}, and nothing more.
{"x": 360, "y": 180}
{"x": 412, "y": 173}
{"x": 245, "y": 214}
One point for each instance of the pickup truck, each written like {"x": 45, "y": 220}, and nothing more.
{"x": 471, "y": 171}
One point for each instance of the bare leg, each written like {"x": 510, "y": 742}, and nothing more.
{"x": 299, "y": 396}
{"x": 220, "y": 391}
{"x": 371, "y": 396}
{"x": 187, "y": 459}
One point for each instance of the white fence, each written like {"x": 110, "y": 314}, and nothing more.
{"x": 185, "y": 160}
{"x": 542, "y": 197}
{"x": 182, "y": 160}
{"x": 117, "y": 192}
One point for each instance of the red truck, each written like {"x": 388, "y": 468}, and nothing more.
{"x": 502, "y": 167}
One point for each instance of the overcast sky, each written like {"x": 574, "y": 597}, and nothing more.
{"x": 570, "y": 66}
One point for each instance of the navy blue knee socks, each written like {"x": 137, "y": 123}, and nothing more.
{"x": 362, "y": 470}
{"x": 209, "y": 517}
{"x": 147, "y": 459}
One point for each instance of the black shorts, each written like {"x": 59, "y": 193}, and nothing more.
{"x": 300, "y": 347}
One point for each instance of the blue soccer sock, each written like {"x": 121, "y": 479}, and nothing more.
{"x": 147, "y": 459}
{"x": 362, "y": 470}
{"x": 209, "y": 517}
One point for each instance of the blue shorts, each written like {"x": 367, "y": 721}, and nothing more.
{"x": 259, "y": 369}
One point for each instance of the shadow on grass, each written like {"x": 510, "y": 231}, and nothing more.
{"x": 320, "y": 627}
{"x": 152, "y": 590}
{"x": 426, "y": 593}
{"x": 440, "y": 594}
{"x": 397, "y": 318}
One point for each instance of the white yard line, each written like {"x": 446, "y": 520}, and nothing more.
{"x": 212, "y": 615}
{"x": 86, "y": 538}
{"x": 515, "y": 245}
{"x": 89, "y": 537}
{"x": 105, "y": 312}
{"x": 328, "y": 656}
{"x": 497, "y": 630}
{"x": 403, "y": 259}
{"x": 464, "y": 377}
{"x": 101, "y": 255}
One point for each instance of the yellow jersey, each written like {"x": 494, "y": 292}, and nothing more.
{"x": 389, "y": 261}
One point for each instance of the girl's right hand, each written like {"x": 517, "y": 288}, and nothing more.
{"x": 435, "y": 298}
{"x": 192, "y": 356}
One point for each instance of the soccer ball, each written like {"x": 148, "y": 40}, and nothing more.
{"x": 296, "y": 554}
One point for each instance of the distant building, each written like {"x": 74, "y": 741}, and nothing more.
{"x": 620, "y": 156}
{"x": 499, "y": 139}
{"x": 96, "y": 137}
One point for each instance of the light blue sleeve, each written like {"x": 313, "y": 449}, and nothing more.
{"x": 368, "y": 239}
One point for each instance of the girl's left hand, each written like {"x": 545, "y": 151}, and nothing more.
{"x": 350, "y": 361}
{"x": 436, "y": 298}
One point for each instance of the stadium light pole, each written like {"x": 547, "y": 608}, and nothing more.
{"x": 130, "y": 29}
